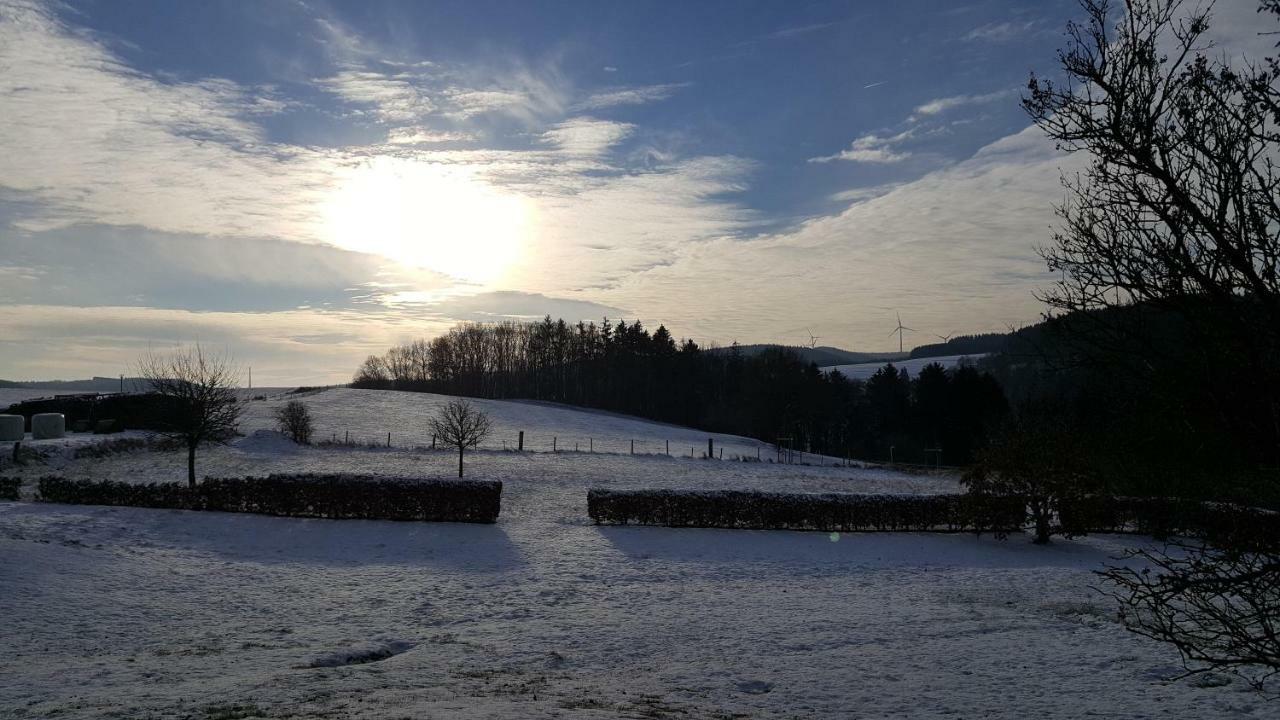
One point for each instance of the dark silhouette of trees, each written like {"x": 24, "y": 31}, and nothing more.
{"x": 769, "y": 395}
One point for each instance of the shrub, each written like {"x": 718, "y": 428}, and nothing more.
{"x": 318, "y": 496}
{"x": 294, "y": 420}
{"x": 1218, "y": 523}
{"x": 9, "y": 488}
{"x": 794, "y": 511}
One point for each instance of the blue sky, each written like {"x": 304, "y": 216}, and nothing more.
{"x": 304, "y": 183}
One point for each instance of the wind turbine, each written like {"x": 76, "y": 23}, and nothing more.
{"x": 900, "y": 330}
{"x": 944, "y": 338}
{"x": 813, "y": 339}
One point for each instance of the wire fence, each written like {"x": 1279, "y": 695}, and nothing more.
{"x": 520, "y": 442}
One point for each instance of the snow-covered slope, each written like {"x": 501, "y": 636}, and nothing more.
{"x": 368, "y": 415}
{"x": 862, "y": 371}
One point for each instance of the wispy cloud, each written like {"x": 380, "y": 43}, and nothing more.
{"x": 628, "y": 96}
{"x": 872, "y": 149}
{"x": 1007, "y": 31}
{"x": 796, "y": 31}
{"x": 944, "y": 104}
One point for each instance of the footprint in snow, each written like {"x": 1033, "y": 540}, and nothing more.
{"x": 755, "y": 687}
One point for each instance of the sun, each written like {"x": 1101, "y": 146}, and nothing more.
{"x": 426, "y": 215}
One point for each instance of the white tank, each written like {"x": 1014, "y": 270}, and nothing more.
{"x": 46, "y": 426}
{"x": 12, "y": 427}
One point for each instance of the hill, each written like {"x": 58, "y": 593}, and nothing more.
{"x": 821, "y": 356}
{"x": 95, "y": 384}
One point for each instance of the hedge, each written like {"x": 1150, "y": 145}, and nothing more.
{"x": 1160, "y": 517}
{"x": 793, "y": 511}
{"x": 314, "y": 496}
{"x": 9, "y": 487}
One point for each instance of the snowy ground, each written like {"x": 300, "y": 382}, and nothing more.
{"x": 132, "y": 613}
{"x": 862, "y": 371}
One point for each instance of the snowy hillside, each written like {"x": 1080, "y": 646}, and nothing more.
{"x": 862, "y": 371}
{"x": 368, "y": 415}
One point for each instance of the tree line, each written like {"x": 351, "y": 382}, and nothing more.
{"x": 771, "y": 395}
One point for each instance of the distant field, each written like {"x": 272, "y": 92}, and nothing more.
{"x": 862, "y": 371}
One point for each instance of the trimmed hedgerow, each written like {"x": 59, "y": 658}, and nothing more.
{"x": 315, "y": 496}
{"x": 1168, "y": 517}
{"x": 9, "y": 488}
{"x": 793, "y": 511}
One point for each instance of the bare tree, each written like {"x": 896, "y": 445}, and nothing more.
{"x": 1179, "y": 210}
{"x": 461, "y": 425}
{"x": 1219, "y": 608}
{"x": 198, "y": 396}
{"x": 294, "y": 420}
{"x": 1179, "y": 207}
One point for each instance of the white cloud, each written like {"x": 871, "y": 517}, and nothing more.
{"x": 872, "y": 149}
{"x": 628, "y": 96}
{"x": 1007, "y": 31}
{"x": 396, "y": 98}
{"x": 584, "y": 136}
{"x": 941, "y": 105}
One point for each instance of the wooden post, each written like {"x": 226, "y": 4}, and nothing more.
{"x": 520, "y": 447}
{"x": 757, "y": 453}
{"x": 433, "y": 442}
{"x": 711, "y": 453}
{"x": 633, "y": 447}
{"x": 668, "y": 448}
{"x": 553, "y": 443}
{"x": 721, "y": 452}
{"x": 388, "y": 439}
{"x": 591, "y": 444}
{"x": 17, "y": 453}
{"x": 575, "y": 446}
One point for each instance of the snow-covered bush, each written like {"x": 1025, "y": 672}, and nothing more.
{"x": 323, "y": 496}
{"x": 796, "y": 511}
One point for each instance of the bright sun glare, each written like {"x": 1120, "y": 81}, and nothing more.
{"x": 428, "y": 216}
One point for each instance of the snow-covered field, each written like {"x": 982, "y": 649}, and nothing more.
{"x": 862, "y": 371}
{"x": 133, "y": 613}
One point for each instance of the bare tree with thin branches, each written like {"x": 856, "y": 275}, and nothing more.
{"x": 198, "y": 395}
{"x": 460, "y": 424}
{"x": 1178, "y": 210}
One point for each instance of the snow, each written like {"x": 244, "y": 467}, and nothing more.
{"x": 862, "y": 371}
{"x": 131, "y": 612}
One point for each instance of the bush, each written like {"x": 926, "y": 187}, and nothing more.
{"x": 792, "y": 511}
{"x": 316, "y": 496}
{"x": 1223, "y": 524}
{"x": 9, "y": 487}
{"x": 293, "y": 419}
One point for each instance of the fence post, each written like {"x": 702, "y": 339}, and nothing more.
{"x": 591, "y": 444}
{"x": 633, "y": 447}
{"x": 17, "y": 453}
{"x": 520, "y": 447}
{"x": 348, "y": 437}
{"x": 433, "y": 442}
{"x": 711, "y": 453}
{"x": 722, "y": 452}
{"x": 668, "y": 448}
{"x": 388, "y": 439}
{"x": 757, "y": 453}
{"x": 553, "y": 443}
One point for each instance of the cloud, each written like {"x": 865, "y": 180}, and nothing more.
{"x": 791, "y": 32}
{"x": 872, "y": 149}
{"x": 941, "y": 105}
{"x": 1007, "y": 31}
{"x": 395, "y": 98}
{"x": 628, "y": 96}
{"x": 952, "y": 250}
{"x": 584, "y": 136}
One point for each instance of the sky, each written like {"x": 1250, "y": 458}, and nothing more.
{"x": 301, "y": 183}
